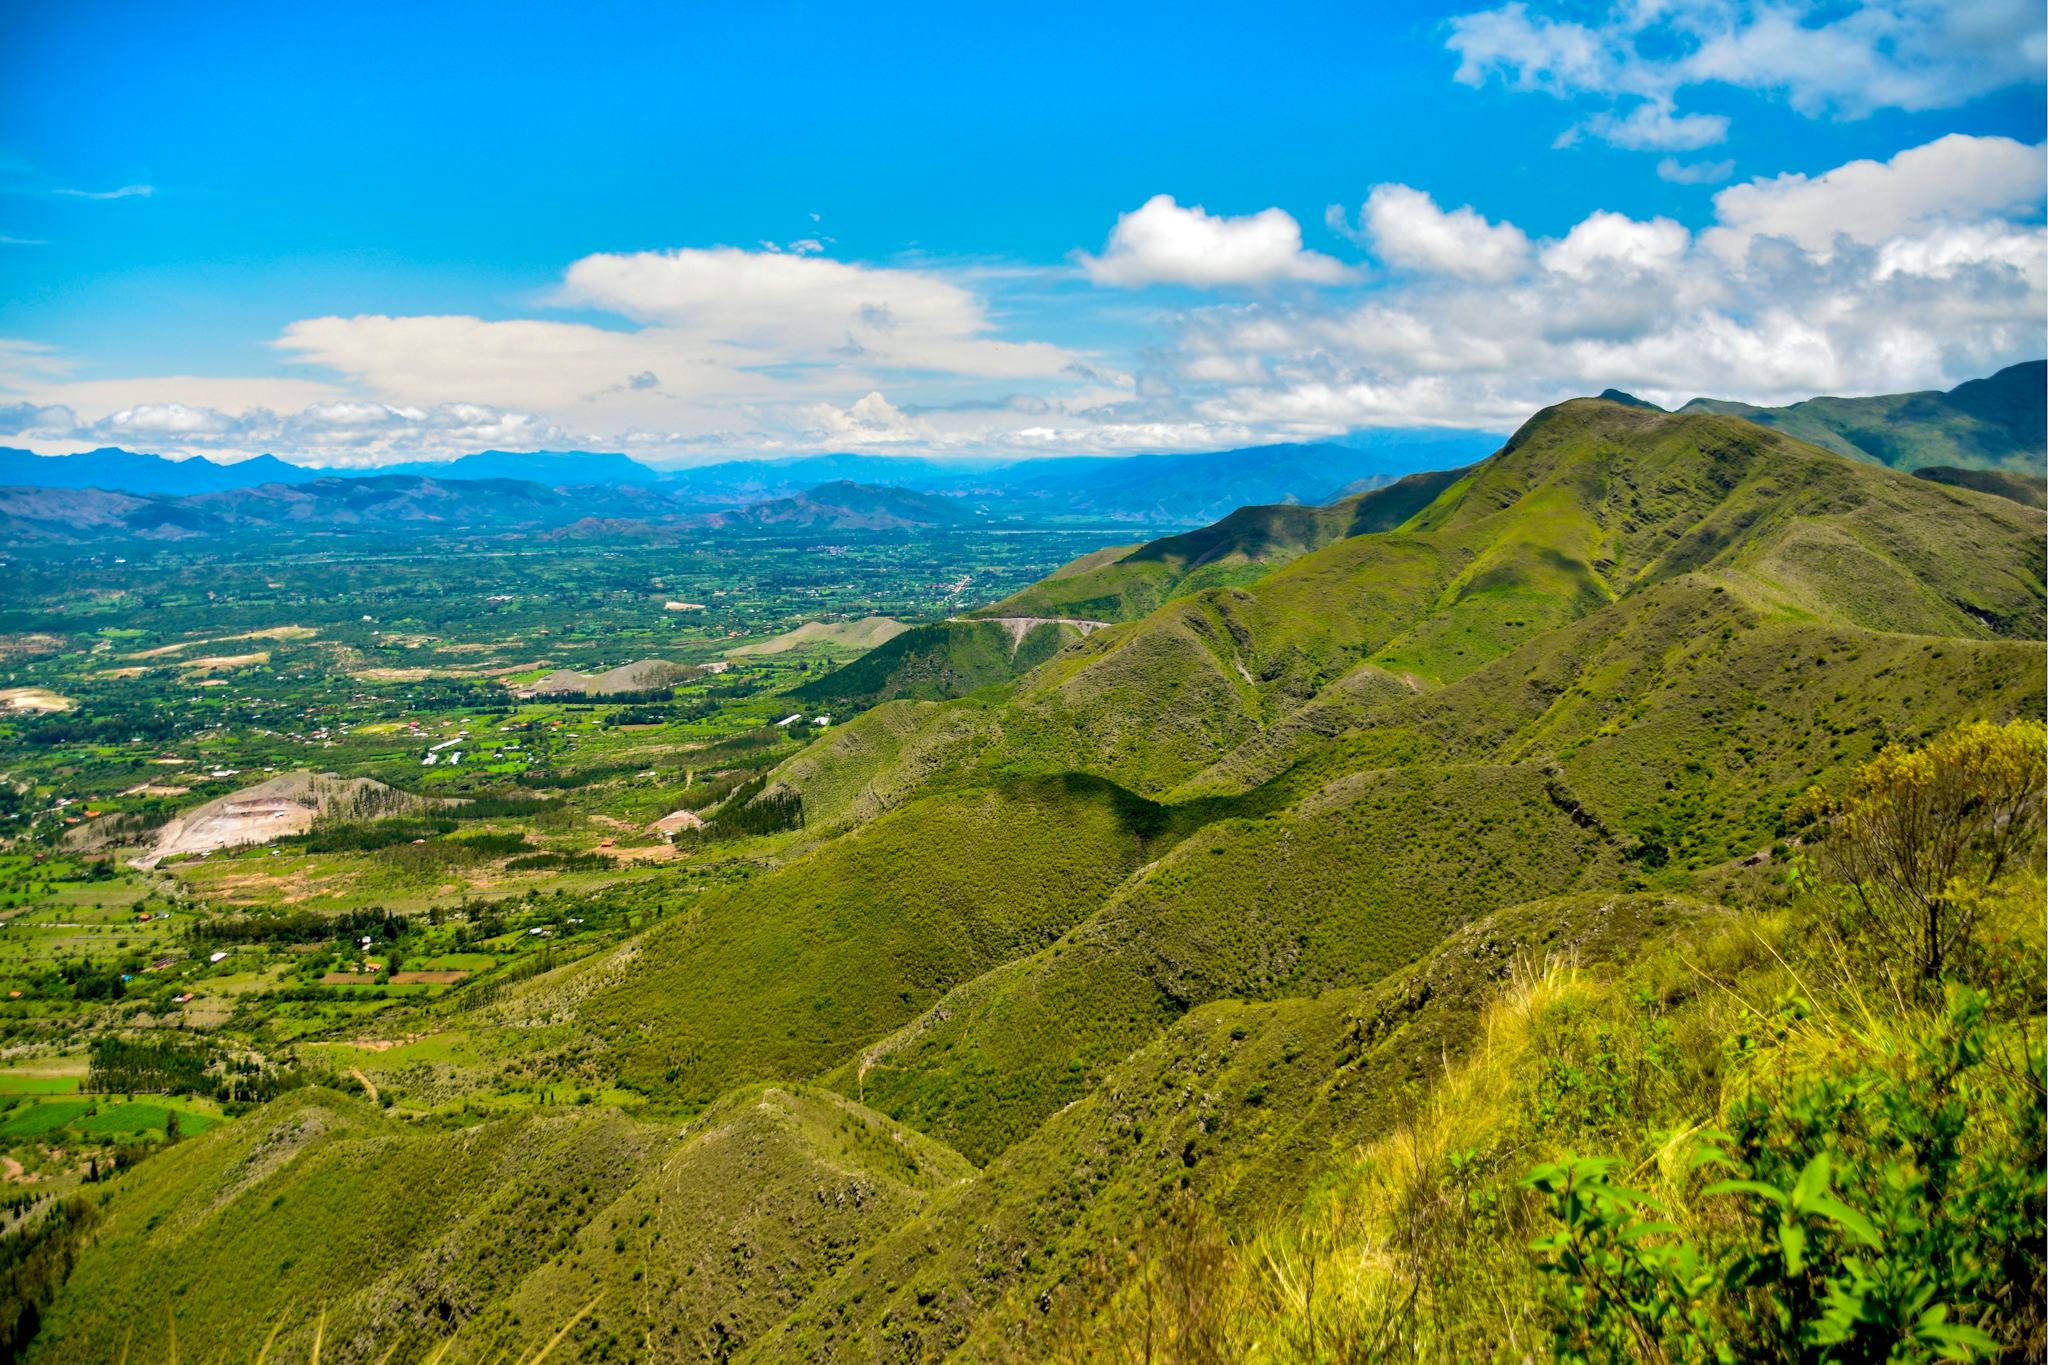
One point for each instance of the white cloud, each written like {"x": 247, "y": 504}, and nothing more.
{"x": 1941, "y": 275}
{"x": 1825, "y": 59}
{"x": 154, "y": 423}
{"x": 1953, "y": 179}
{"x": 1939, "y": 284}
{"x": 125, "y": 192}
{"x": 32, "y": 419}
{"x": 1654, "y": 126}
{"x": 804, "y": 306}
{"x": 1694, "y": 172}
{"x": 1162, "y": 243}
{"x": 869, "y": 421}
{"x": 1408, "y": 230}
{"x": 1609, "y": 242}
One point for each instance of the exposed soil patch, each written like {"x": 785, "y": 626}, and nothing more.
{"x": 284, "y": 805}
{"x": 214, "y": 663}
{"x": 33, "y": 699}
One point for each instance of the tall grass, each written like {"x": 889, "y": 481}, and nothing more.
{"x": 1778, "y": 1048}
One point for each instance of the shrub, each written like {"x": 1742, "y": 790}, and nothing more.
{"x": 1921, "y": 835}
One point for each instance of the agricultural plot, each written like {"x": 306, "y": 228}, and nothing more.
{"x": 293, "y": 815}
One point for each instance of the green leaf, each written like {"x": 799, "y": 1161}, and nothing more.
{"x": 1854, "y": 1223}
{"x": 1812, "y": 1182}
{"x": 1792, "y": 1241}
{"x": 1756, "y": 1187}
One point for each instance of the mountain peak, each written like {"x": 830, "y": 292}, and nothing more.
{"x": 1627, "y": 400}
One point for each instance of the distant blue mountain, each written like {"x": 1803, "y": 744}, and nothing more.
{"x": 1145, "y": 490}
{"x": 123, "y": 471}
{"x": 1157, "y": 490}
{"x": 555, "y": 468}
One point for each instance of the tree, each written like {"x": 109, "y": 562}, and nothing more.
{"x": 1920, "y": 835}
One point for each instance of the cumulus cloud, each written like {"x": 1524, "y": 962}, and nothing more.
{"x": 801, "y": 305}
{"x": 347, "y": 432}
{"x": 1607, "y": 243}
{"x": 869, "y": 421}
{"x": 1918, "y": 271}
{"x": 1937, "y": 283}
{"x": 1406, "y": 229}
{"x": 1162, "y": 243}
{"x": 1953, "y": 179}
{"x": 1841, "y": 60}
{"x": 31, "y": 419}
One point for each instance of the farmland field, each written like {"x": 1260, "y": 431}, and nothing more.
{"x": 381, "y": 818}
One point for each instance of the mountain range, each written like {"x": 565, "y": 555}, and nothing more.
{"x": 409, "y": 503}
{"x": 1179, "y": 904}
{"x": 1144, "y": 490}
{"x": 1993, "y": 423}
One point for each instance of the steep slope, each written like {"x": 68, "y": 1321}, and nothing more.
{"x": 401, "y": 1235}
{"x": 1238, "y": 1105}
{"x": 784, "y": 975}
{"x": 1365, "y": 874}
{"x": 2029, "y": 489}
{"x": 1589, "y": 502}
{"x": 1996, "y": 423}
{"x": 1237, "y": 549}
{"x": 1667, "y": 732}
{"x": 763, "y": 1198}
{"x": 941, "y": 660}
{"x": 319, "y": 1201}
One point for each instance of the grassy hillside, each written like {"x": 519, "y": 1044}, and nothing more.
{"x": 1589, "y": 503}
{"x": 1237, "y": 549}
{"x": 2029, "y": 488}
{"x": 1357, "y": 879}
{"x": 784, "y": 975}
{"x": 323, "y": 1215}
{"x": 1707, "y": 1150}
{"x": 319, "y": 1203}
{"x": 937, "y": 661}
{"x": 763, "y": 1197}
{"x": 1438, "y": 835}
{"x": 1239, "y": 1105}
{"x": 1993, "y": 423}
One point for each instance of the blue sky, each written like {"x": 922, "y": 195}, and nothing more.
{"x": 351, "y": 234}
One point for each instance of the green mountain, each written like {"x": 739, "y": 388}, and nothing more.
{"x": 1238, "y": 549}
{"x": 1179, "y": 913}
{"x": 943, "y": 659}
{"x": 2029, "y": 489}
{"x": 1994, "y": 423}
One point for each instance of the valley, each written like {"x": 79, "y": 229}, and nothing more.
{"x": 966, "y": 943}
